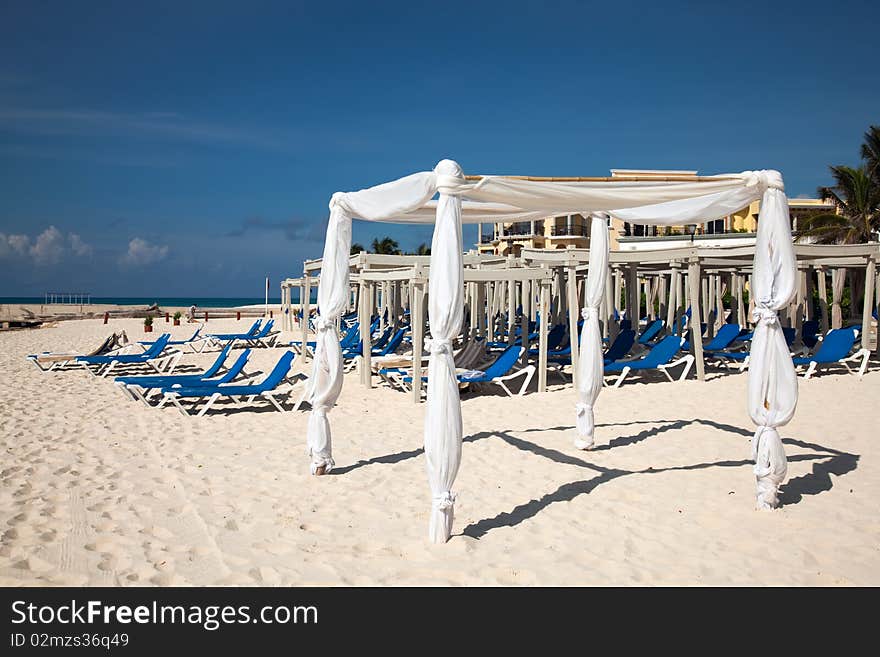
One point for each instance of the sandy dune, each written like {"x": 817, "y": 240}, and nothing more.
{"x": 97, "y": 490}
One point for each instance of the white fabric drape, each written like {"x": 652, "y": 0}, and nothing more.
{"x": 590, "y": 364}
{"x": 379, "y": 203}
{"x": 443, "y": 426}
{"x": 772, "y": 390}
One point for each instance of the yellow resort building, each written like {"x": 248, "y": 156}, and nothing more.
{"x": 559, "y": 232}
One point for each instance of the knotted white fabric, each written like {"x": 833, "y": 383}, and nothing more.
{"x": 327, "y": 368}
{"x": 590, "y": 364}
{"x": 772, "y": 392}
{"x": 443, "y": 425}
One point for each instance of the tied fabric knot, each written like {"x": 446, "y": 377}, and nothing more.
{"x": 765, "y": 178}
{"x": 325, "y": 323}
{"x": 448, "y": 177}
{"x": 437, "y": 346}
{"x": 581, "y": 408}
{"x": 588, "y": 312}
{"x": 338, "y": 200}
{"x": 445, "y": 500}
{"x": 765, "y": 316}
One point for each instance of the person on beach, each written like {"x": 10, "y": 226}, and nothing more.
{"x": 191, "y": 314}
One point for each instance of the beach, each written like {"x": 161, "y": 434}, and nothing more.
{"x": 97, "y": 490}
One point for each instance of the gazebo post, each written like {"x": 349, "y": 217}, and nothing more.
{"x": 799, "y": 305}
{"x": 542, "y": 336}
{"x": 610, "y": 328}
{"x": 511, "y": 312}
{"x": 838, "y": 282}
{"x": 703, "y": 300}
{"x": 719, "y": 301}
{"x": 366, "y": 343}
{"x": 573, "y": 316}
{"x": 490, "y": 300}
{"x": 741, "y": 318}
{"x": 823, "y": 298}
{"x": 867, "y": 307}
{"x": 696, "y": 337}
{"x": 662, "y": 298}
{"x": 672, "y": 305}
{"x": 632, "y": 297}
{"x": 417, "y": 318}
{"x": 810, "y": 309}
{"x": 525, "y": 296}
{"x": 618, "y": 282}
{"x": 306, "y": 311}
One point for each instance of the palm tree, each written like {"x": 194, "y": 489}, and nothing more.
{"x": 356, "y": 248}
{"x": 871, "y": 152}
{"x": 423, "y": 250}
{"x": 856, "y": 195}
{"x": 386, "y": 246}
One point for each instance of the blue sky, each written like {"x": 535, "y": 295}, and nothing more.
{"x": 190, "y": 148}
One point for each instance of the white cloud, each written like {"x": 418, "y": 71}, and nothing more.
{"x": 79, "y": 247}
{"x": 141, "y": 252}
{"x": 13, "y": 244}
{"x": 48, "y": 247}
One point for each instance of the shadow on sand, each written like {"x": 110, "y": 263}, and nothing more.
{"x": 827, "y": 462}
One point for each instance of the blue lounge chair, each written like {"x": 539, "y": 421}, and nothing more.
{"x": 265, "y": 337}
{"x": 225, "y": 337}
{"x": 392, "y": 345}
{"x": 267, "y": 389}
{"x": 620, "y": 347}
{"x": 498, "y": 372}
{"x": 651, "y": 331}
{"x": 154, "y": 357}
{"x": 53, "y": 362}
{"x": 835, "y": 348}
{"x": 190, "y": 342}
{"x": 140, "y": 387}
{"x": 659, "y": 358}
{"x": 554, "y": 338}
{"x": 810, "y": 333}
{"x": 726, "y": 358}
{"x": 722, "y": 340}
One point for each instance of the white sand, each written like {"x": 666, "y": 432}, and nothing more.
{"x": 97, "y": 490}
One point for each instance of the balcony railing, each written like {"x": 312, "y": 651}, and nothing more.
{"x": 566, "y": 231}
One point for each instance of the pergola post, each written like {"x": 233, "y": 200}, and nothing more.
{"x": 662, "y": 297}
{"x": 809, "y": 308}
{"x": 632, "y": 297}
{"x": 306, "y": 311}
{"x": 868, "y": 306}
{"x": 741, "y": 318}
{"x": 672, "y": 304}
{"x": 511, "y": 312}
{"x": 417, "y": 319}
{"x": 711, "y": 311}
{"x": 542, "y": 336}
{"x": 618, "y": 282}
{"x": 610, "y": 328}
{"x": 823, "y": 298}
{"x": 696, "y": 337}
{"x": 573, "y": 316}
{"x": 525, "y": 296}
{"x": 838, "y": 282}
{"x": 490, "y": 313}
{"x": 367, "y": 299}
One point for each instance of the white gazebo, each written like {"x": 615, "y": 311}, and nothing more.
{"x": 772, "y": 390}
